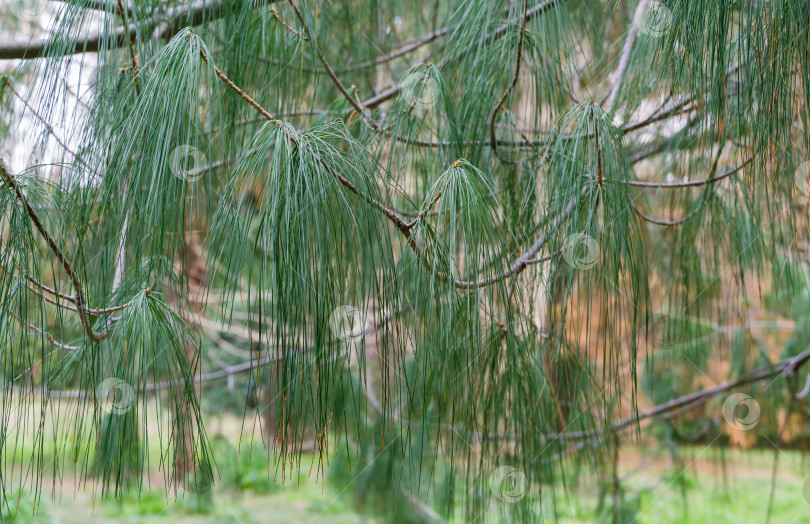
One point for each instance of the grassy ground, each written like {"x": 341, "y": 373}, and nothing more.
{"x": 741, "y": 496}
{"x": 300, "y": 505}
{"x": 711, "y": 500}
{"x": 701, "y": 488}
{"x": 737, "y": 490}
{"x": 246, "y": 491}
{"x": 247, "y": 488}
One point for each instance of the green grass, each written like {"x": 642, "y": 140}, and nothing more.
{"x": 256, "y": 498}
{"x": 247, "y": 488}
{"x": 701, "y": 491}
{"x": 695, "y": 488}
{"x": 710, "y": 500}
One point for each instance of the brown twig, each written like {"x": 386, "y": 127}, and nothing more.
{"x": 520, "y": 264}
{"x": 93, "y": 312}
{"x": 44, "y": 333}
{"x": 358, "y": 106}
{"x": 130, "y": 40}
{"x": 494, "y": 35}
{"x": 678, "y": 110}
{"x": 422, "y": 214}
{"x": 77, "y": 285}
{"x": 662, "y": 222}
{"x": 512, "y": 84}
{"x": 120, "y": 255}
{"x": 237, "y": 90}
{"x": 694, "y": 183}
{"x": 397, "y": 220}
{"x": 289, "y": 28}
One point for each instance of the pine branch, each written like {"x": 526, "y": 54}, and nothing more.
{"x": 520, "y": 264}
{"x": 624, "y": 60}
{"x": 519, "y": 55}
{"x": 77, "y": 285}
{"x": 405, "y": 227}
{"x": 692, "y": 183}
{"x": 286, "y": 26}
{"x": 166, "y": 26}
{"x": 668, "y": 223}
{"x": 358, "y": 106}
{"x": 398, "y": 221}
{"x": 666, "y": 411}
{"x": 491, "y": 37}
{"x": 695, "y": 399}
{"x": 7, "y": 81}
{"x": 44, "y": 333}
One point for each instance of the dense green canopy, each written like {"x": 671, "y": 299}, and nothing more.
{"x": 465, "y": 247}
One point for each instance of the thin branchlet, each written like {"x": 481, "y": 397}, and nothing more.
{"x": 80, "y": 300}
{"x": 512, "y": 83}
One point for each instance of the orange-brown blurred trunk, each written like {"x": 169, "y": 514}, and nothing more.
{"x": 193, "y": 269}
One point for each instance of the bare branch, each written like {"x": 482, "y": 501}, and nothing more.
{"x": 693, "y": 183}
{"x": 168, "y": 24}
{"x": 624, "y": 60}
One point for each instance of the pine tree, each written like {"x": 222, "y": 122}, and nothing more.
{"x": 465, "y": 247}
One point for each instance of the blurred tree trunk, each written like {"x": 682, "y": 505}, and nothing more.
{"x": 194, "y": 277}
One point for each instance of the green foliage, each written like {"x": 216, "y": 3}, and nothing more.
{"x": 437, "y": 238}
